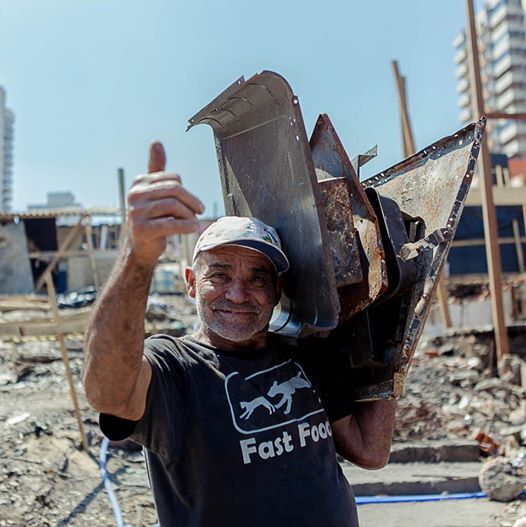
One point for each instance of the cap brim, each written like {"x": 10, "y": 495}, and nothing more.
{"x": 275, "y": 255}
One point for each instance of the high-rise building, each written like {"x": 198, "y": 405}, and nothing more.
{"x": 7, "y": 121}
{"x": 501, "y": 31}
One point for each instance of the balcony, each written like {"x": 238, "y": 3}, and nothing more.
{"x": 515, "y": 148}
{"x": 463, "y": 85}
{"x": 498, "y": 16}
{"x": 461, "y": 71}
{"x": 464, "y": 101}
{"x": 510, "y": 96}
{"x": 465, "y": 116}
{"x": 504, "y": 82}
{"x": 460, "y": 40}
{"x": 512, "y": 132}
{"x": 502, "y": 66}
{"x": 460, "y": 55}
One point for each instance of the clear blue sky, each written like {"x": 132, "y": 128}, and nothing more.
{"x": 91, "y": 82}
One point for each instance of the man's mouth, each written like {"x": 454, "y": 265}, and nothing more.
{"x": 233, "y": 313}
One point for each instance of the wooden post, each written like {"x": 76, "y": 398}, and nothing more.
{"x": 486, "y": 185}
{"x": 122, "y": 203}
{"x": 518, "y": 244}
{"x": 70, "y": 238}
{"x": 65, "y": 358}
{"x": 407, "y": 132}
{"x": 91, "y": 254}
{"x": 410, "y": 149}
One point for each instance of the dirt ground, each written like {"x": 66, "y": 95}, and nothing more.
{"x": 47, "y": 480}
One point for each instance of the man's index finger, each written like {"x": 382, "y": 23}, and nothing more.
{"x": 156, "y": 158}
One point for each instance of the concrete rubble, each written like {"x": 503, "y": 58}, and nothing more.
{"x": 502, "y": 479}
{"x": 46, "y": 479}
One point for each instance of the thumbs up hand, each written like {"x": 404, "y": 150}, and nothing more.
{"x": 159, "y": 206}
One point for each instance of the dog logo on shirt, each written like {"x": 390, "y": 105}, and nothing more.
{"x": 250, "y": 406}
{"x": 264, "y": 400}
{"x": 287, "y": 389}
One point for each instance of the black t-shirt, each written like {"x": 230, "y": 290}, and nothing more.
{"x": 240, "y": 438}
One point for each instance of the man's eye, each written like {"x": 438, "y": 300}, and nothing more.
{"x": 219, "y": 276}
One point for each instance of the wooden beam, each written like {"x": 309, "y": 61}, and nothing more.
{"x": 407, "y": 132}
{"x": 476, "y": 242}
{"x": 92, "y": 261}
{"x": 504, "y": 115}
{"x": 501, "y": 196}
{"x": 65, "y": 357}
{"x": 488, "y": 207}
{"x": 518, "y": 245}
{"x": 70, "y": 238}
{"x": 122, "y": 203}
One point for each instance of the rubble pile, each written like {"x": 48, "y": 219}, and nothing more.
{"x": 45, "y": 477}
{"x": 452, "y": 392}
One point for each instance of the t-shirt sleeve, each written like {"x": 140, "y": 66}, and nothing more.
{"x": 161, "y": 427}
{"x": 331, "y": 371}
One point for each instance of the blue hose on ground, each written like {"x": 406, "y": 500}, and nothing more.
{"x": 360, "y": 500}
{"x": 369, "y": 500}
{"x": 107, "y": 483}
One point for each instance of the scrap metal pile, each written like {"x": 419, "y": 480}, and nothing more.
{"x": 366, "y": 256}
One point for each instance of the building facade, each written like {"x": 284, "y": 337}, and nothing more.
{"x": 501, "y": 31}
{"x": 7, "y": 121}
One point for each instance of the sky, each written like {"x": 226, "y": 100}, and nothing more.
{"x": 92, "y": 82}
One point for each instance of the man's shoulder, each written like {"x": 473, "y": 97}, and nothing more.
{"x": 168, "y": 348}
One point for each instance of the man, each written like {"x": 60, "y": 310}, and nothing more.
{"x": 239, "y": 428}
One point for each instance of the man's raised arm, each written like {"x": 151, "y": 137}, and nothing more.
{"x": 116, "y": 375}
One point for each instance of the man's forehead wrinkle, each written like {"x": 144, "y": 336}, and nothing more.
{"x": 225, "y": 254}
{"x": 219, "y": 265}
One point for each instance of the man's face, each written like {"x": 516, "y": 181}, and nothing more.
{"x": 236, "y": 289}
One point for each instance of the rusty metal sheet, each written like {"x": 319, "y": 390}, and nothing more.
{"x": 433, "y": 185}
{"x": 328, "y": 156}
{"x": 341, "y": 233}
{"x": 331, "y": 160}
{"x": 267, "y": 171}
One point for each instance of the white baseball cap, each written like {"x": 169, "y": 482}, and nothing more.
{"x": 246, "y": 232}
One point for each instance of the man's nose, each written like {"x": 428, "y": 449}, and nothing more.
{"x": 237, "y": 292}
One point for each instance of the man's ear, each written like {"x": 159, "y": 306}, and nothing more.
{"x": 190, "y": 281}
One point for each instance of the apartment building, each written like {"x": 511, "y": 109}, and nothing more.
{"x": 7, "y": 121}
{"x": 501, "y": 30}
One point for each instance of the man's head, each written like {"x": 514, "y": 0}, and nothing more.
{"x": 235, "y": 279}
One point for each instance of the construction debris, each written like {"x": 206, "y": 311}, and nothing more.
{"x": 452, "y": 393}
{"x": 502, "y": 479}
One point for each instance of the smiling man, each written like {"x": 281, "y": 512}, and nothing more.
{"x": 239, "y": 428}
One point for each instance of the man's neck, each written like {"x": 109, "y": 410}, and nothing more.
{"x": 209, "y": 337}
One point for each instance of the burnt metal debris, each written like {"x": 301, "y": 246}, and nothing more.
{"x": 365, "y": 256}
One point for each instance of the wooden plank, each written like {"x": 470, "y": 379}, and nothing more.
{"x": 122, "y": 203}
{"x": 518, "y": 245}
{"x": 501, "y": 196}
{"x": 488, "y": 206}
{"x": 475, "y": 242}
{"x": 92, "y": 261}
{"x": 48, "y": 255}
{"x": 65, "y": 358}
{"x": 44, "y": 326}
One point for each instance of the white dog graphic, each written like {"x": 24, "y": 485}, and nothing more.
{"x": 250, "y": 406}
{"x": 287, "y": 389}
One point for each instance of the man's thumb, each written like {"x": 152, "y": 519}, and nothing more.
{"x": 156, "y": 158}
